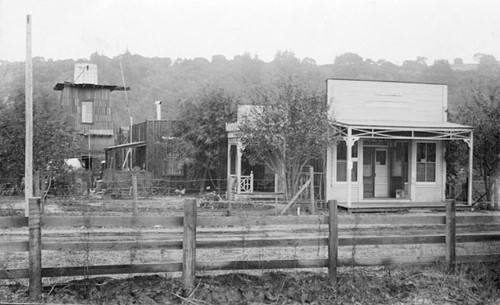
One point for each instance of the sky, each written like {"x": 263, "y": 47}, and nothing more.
{"x": 393, "y": 30}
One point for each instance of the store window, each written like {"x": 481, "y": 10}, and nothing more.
{"x": 342, "y": 162}
{"x": 426, "y": 162}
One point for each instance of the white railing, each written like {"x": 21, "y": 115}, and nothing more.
{"x": 245, "y": 184}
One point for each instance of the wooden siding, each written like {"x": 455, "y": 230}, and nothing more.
{"x": 152, "y": 132}
{"x": 386, "y": 101}
{"x": 71, "y": 99}
{"x": 101, "y": 129}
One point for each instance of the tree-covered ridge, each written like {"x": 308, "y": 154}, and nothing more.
{"x": 245, "y": 76}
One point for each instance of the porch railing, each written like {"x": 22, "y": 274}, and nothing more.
{"x": 244, "y": 185}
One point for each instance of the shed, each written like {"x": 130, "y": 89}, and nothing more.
{"x": 148, "y": 155}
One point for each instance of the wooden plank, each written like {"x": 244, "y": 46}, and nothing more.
{"x": 13, "y": 222}
{"x": 35, "y": 248}
{"x": 391, "y": 240}
{"x": 243, "y": 242}
{"x": 478, "y": 219}
{"x": 112, "y": 246}
{"x": 481, "y": 237}
{"x": 14, "y": 274}
{"x": 254, "y": 221}
{"x": 295, "y": 197}
{"x": 262, "y": 264}
{"x": 360, "y": 219}
{"x": 261, "y": 243}
{"x": 241, "y": 221}
{"x": 111, "y": 269}
{"x": 450, "y": 243}
{"x": 20, "y": 246}
{"x": 189, "y": 246}
{"x": 389, "y": 261}
{"x": 111, "y": 221}
{"x": 478, "y": 258}
{"x": 333, "y": 242}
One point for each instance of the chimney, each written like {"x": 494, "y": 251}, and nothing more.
{"x": 158, "y": 110}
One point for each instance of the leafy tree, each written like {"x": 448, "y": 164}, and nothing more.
{"x": 287, "y": 133}
{"x": 52, "y": 139}
{"x": 481, "y": 109}
{"x": 203, "y": 124}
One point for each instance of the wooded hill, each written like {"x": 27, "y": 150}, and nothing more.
{"x": 243, "y": 77}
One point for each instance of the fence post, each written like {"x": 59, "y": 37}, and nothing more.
{"x": 35, "y": 248}
{"x": 134, "y": 195}
{"x": 450, "y": 244}
{"x": 189, "y": 245}
{"x": 311, "y": 176}
{"x": 333, "y": 241}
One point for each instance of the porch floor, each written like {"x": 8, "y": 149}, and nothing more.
{"x": 388, "y": 206}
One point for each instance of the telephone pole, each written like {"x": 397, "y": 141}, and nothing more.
{"x": 28, "y": 165}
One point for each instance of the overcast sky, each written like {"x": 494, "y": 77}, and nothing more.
{"x": 394, "y": 30}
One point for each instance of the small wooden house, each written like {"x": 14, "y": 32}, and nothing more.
{"x": 250, "y": 180}
{"x": 391, "y": 142}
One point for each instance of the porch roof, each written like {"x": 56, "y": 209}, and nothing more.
{"x": 404, "y": 130}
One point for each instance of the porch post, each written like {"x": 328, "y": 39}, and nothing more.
{"x": 471, "y": 168}
{"x": 228, "y": 174}
{"x": 238, "y": 168}
{"x": 349, "y": 144}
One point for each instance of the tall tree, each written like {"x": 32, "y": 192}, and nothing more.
{"x": 480, "y": 108}
{"x": 203, "y": 124}
{"x": 52, "y": 139}
{"x": 287, "y": 133}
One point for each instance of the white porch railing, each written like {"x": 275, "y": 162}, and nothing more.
{"x": 245, "y": 184}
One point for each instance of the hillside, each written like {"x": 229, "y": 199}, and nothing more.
{"x": 181, "y": 80}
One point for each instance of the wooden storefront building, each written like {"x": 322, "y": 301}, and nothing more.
{"x": 391, "y": 142}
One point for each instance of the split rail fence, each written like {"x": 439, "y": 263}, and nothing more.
{"x": 263, "y": 231}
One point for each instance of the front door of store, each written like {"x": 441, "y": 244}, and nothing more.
{"x": 375, "y": 172}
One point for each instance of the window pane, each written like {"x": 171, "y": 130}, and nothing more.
{"x": 354, "y": 152}
{"x": 367, "y": 156}
{"x": 421, "y": 172}
{"x": 380, "y": 156}
{"x": 354, "y": 175}
{"x": 420, "y": 152}
{"x": 431, "y": 172}
{"x": 341, "y": 171}
{"x": 341, "y": 151}
{"x": 431, "y": 152}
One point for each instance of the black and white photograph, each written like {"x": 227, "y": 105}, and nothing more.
{"x": 249, "y": 152}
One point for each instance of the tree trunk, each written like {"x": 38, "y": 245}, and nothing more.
{"x": 203, "y": 178}
{"x": 486, "y": 188}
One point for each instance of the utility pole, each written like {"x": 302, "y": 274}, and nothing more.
{"x": 28, "y": 165}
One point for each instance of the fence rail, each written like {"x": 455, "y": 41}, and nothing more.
{"x": 191, "y": 233}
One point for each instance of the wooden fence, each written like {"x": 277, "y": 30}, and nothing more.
{"x": 260, "y": 232}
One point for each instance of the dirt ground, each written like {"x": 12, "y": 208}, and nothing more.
{"x": 471, "y": 284}
{"x": 468, "y": 284}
